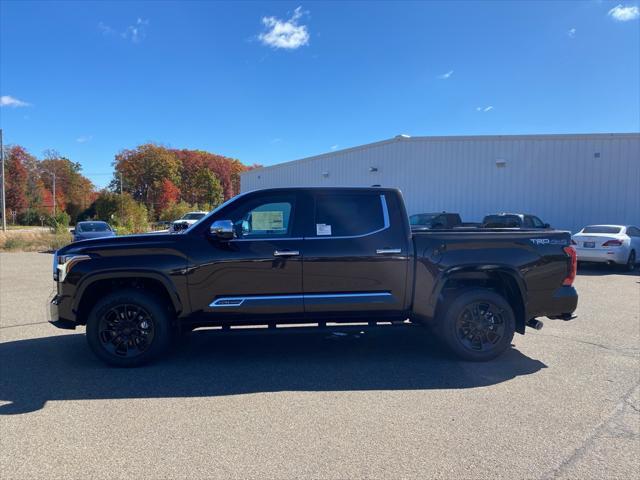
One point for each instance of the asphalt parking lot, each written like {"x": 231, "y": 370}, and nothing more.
{"x": 563, "y": 403}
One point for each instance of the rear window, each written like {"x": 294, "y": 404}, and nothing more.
{"x": 422, "y": 218}
{"x": 93, "y": 227}
{"x": 501, "y": 221}
{"x": 193, "y": 216}
{"x": 601, "y": 229}
{"x": 348, "y": 214}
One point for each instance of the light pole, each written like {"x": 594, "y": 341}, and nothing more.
{"x": 54, "y": 194}
{"x": 53, "y": 189}
{"x": 4, "y": 206}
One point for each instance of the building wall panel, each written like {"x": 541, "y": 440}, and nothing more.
{"x": 561, "y": 178}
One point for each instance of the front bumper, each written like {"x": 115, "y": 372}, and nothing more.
{"x": 57, "y": 306}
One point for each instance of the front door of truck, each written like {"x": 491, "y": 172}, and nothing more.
{"x": 356, "y": 262}
{"x": 259, "y": 272}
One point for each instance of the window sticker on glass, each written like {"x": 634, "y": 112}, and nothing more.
{"x": 267, "y": 220}
{"x": 323, "y": 229}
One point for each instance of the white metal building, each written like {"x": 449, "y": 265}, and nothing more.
{"x": 567, "y": 180}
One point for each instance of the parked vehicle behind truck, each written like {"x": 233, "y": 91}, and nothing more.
{"x": 610, "y": 244}
{"x": 314, "y": 256}
{"x": 513, "y": 220}
{"x": 438, "y": 221}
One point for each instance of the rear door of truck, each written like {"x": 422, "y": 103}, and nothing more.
{"x": 356, "y": 257}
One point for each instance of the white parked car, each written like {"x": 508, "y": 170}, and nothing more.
{"x": 186, "y": 221}
{"x": 612, "y": 244}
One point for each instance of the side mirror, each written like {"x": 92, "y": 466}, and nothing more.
{"x": 72, "y": 231}
{"x": 546, "y": 225}
{"x": 222, "y": 229}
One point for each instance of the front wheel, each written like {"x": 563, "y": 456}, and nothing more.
{"x": 129, "y": 328}
{"x": 478, "y": 325}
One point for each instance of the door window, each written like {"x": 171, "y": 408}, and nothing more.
{"x": 528, "y": 223}
{"x": 537, "y": 223}
{"x": 264, "y": 219}
{"x": 341, "y": 215}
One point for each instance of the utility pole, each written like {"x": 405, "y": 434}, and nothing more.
{"x": 54, "y": 193}
{"x": 121, "y": 201}
{"x": 4, "y": 198}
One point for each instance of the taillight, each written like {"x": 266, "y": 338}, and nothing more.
{"x": 573, "y": 266}
{"x": 612, "y": 243}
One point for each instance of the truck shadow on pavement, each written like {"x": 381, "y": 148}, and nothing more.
{"x": 208, "y": 364}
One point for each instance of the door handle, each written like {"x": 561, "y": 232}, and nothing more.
{"x": 388, "y": 251}
{"x": 286, "y": 253}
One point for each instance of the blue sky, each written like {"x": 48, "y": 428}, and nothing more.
{"x": 267, "y": 82}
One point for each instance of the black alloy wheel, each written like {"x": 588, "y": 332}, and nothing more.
{"x": 476, "y": 324}
{"x": 480, "y": 326}
{"x": 128, "y": 328}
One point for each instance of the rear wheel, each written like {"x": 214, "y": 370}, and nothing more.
{"x": 478, "y": 325}
{"x": 631, "y": 261}
{"x": 129, "y": 328}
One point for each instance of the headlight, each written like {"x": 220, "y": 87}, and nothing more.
{"x": 64, "y": 263}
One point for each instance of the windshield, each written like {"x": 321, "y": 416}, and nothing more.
{"x": 501, "y": 221}
{"x": 601, "y": 229}
{"x": 93, "y": 227}
{"x": 193, "y": 216}
{"x": 422, "y": 218}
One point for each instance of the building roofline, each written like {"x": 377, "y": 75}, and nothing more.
{"x": 439, "y": 138}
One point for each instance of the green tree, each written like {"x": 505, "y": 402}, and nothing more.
{"x": 175, "y": 211}
{"x": 209, "y": 188}
{"x": 144, "y": 170}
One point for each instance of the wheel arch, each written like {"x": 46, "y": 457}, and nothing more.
{"x": 504, "y": 280}
{"x": 97, "y": 285}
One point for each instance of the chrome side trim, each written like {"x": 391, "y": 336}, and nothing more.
{"x": 385, "y": 211}
{"x": 270, "y": 239}
{"x": 226, "y": 302}
{"x": 346, "y": 295}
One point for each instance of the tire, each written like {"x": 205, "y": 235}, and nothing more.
{"x": 478, "y": 325}
{"x": 630, "y": 266}
{"x": 129, "y": 328}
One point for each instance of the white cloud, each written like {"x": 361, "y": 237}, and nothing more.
{"x": 287, "y": 34}
{"x": 444, "y": 76}
{"x": 136, "y": 32}
{"x": 572, "y": 32}
{"x": 334, "y": 147}
{"x": 9, "y": 101}
{"x": 106, "y": 29}
{"x": 488, "y": 108}
{"x": 624, "y": 14}
{"x": 84, "y": 139}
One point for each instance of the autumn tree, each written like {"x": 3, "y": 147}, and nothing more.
{"x": 16, "y": 178}
{"x": 226, "y": 170}
{"x": 169, "y": 194}
{"x": 144, "y": 170}
{"x": 74, "y": 192}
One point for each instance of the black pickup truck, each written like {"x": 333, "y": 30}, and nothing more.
{"x": 315, "y": 256}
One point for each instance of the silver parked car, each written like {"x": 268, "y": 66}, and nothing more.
{"x": 612, "y": 244}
